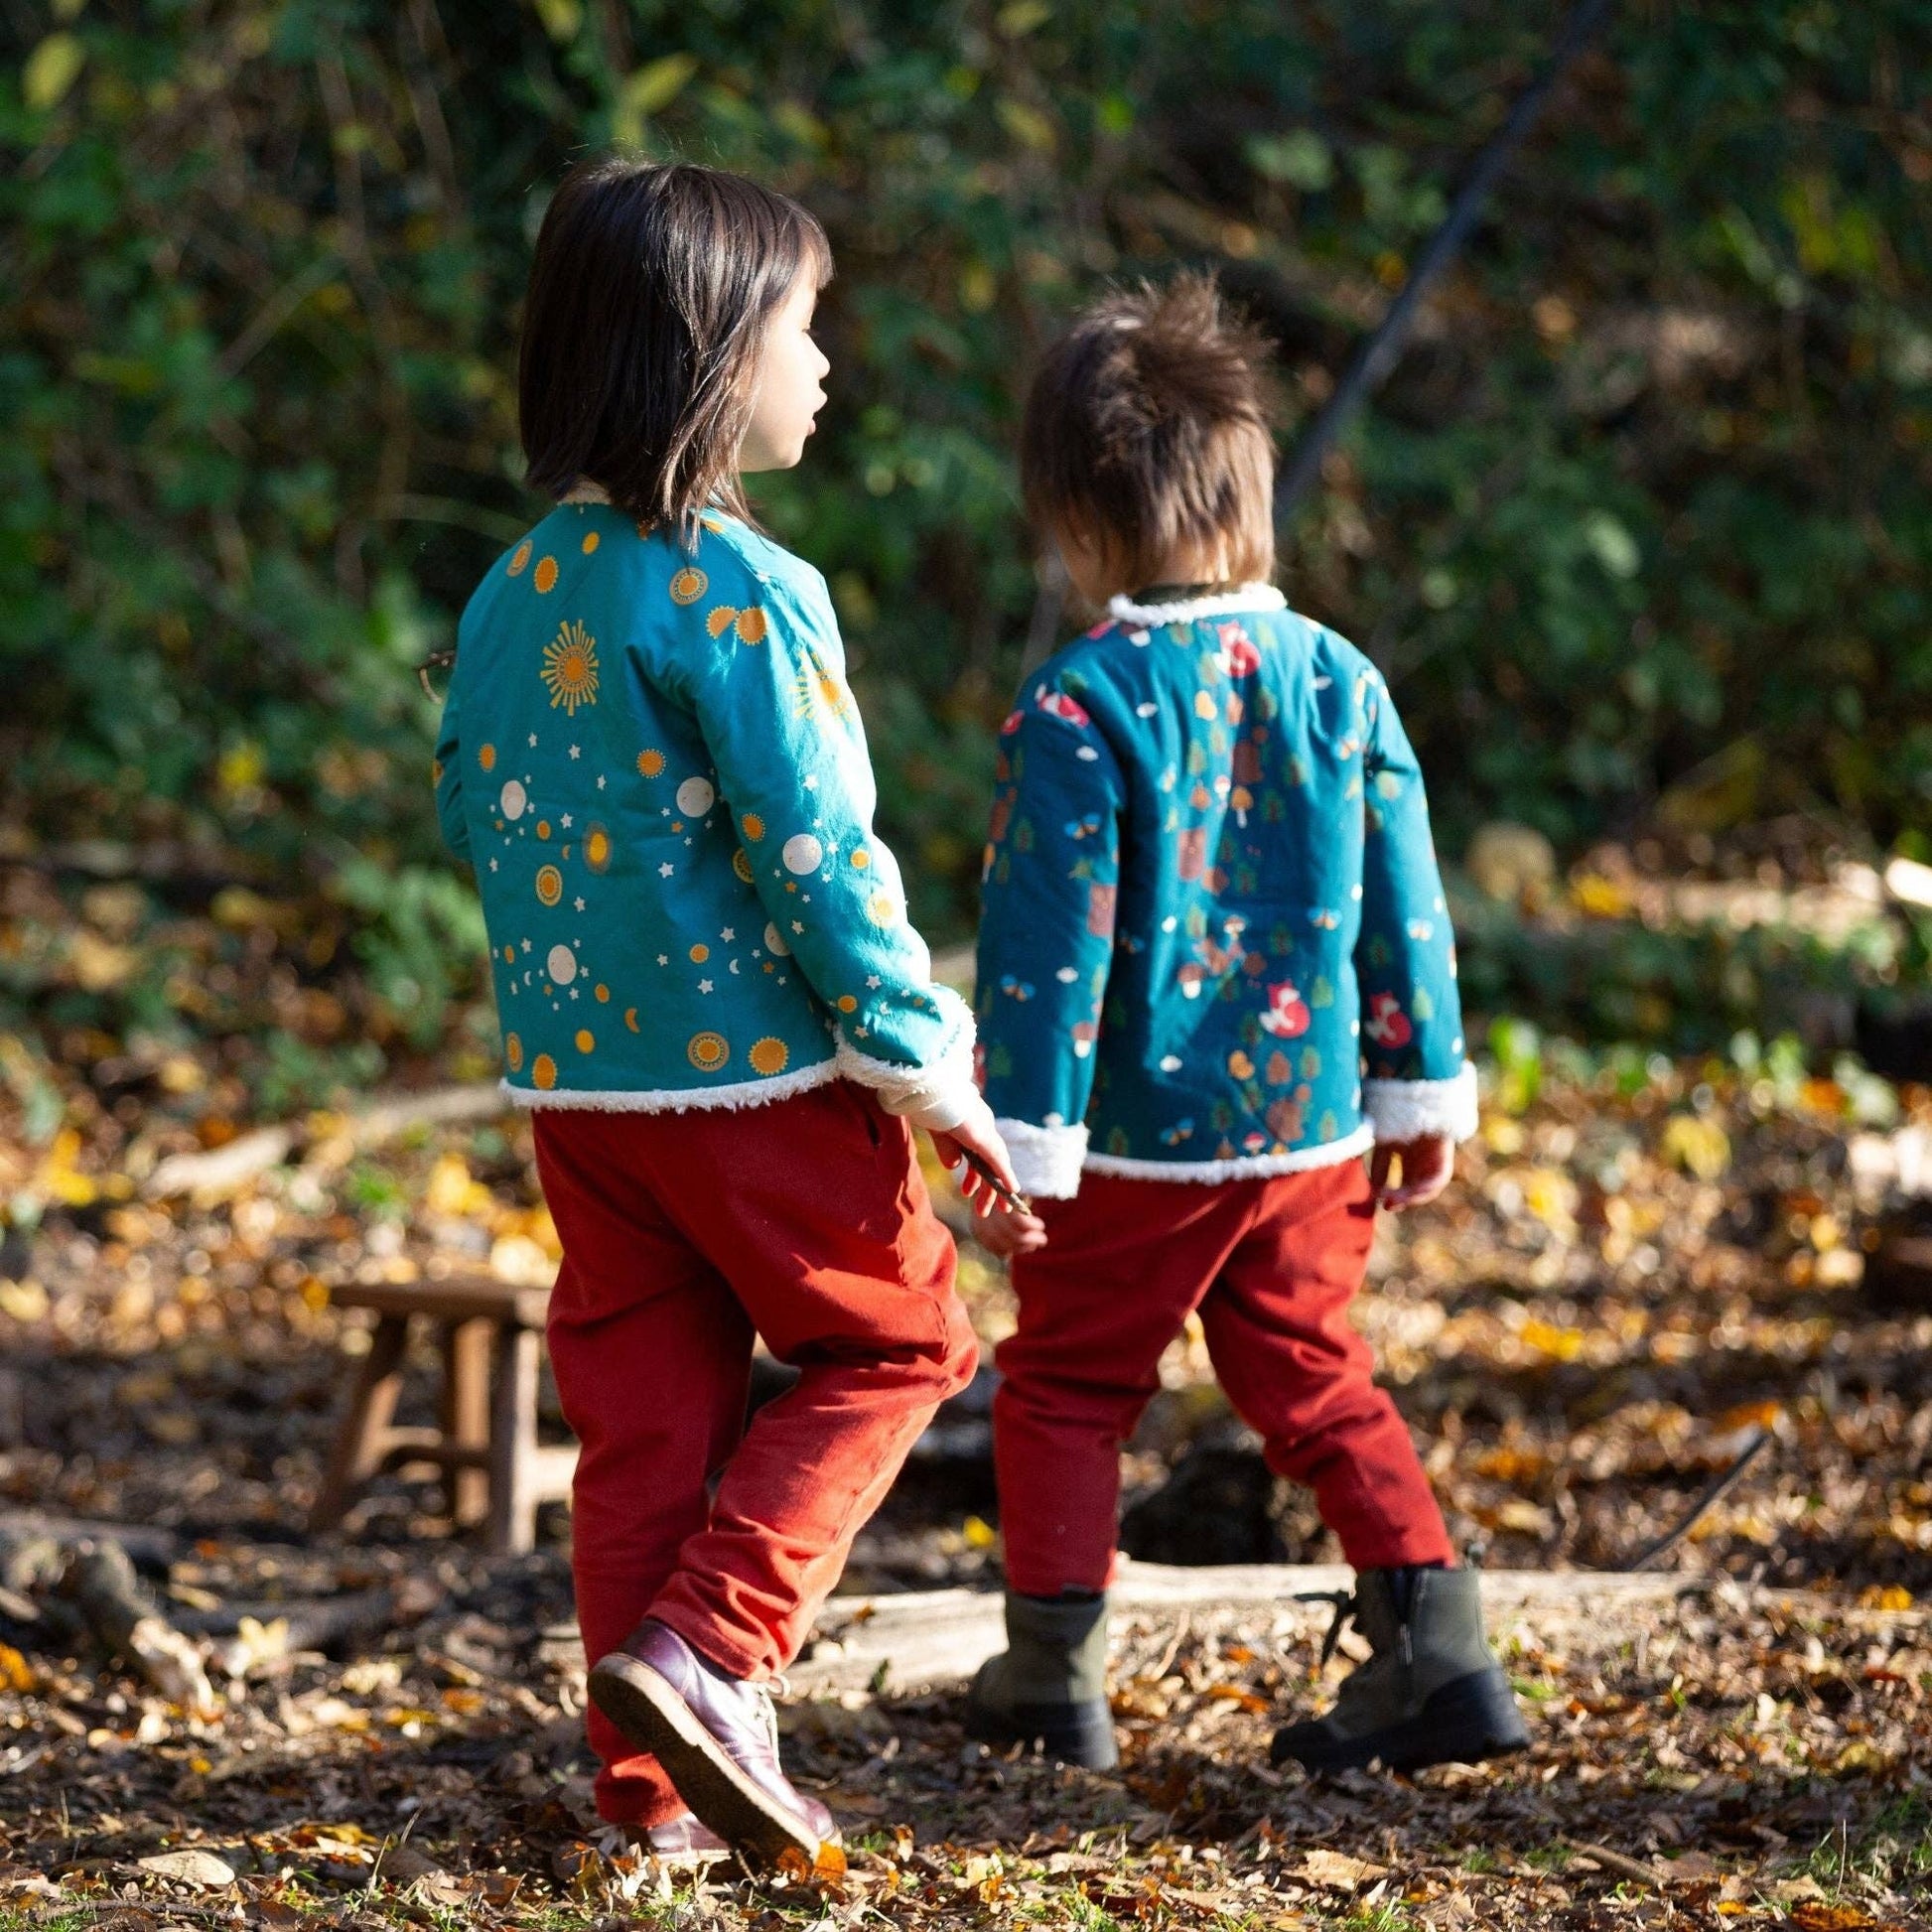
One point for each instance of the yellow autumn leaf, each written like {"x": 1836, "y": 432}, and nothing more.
{"x": 658, "y": 82}
{"x": 52, "y": 68}
{"x": 1027, "y": 124}
{"x": 1592, "y": 894}
{"x": 1565, "y": 1344}
{"x": 1697, "y": 1145}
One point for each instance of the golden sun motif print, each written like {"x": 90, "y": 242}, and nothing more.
{"x": 570, "y": 667}
{"x": 817, "y": 684}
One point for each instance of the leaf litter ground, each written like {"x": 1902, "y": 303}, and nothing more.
{"x": 1625, "y": 1285}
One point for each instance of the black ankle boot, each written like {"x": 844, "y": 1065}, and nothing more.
{"x": 1047, "y": 1689}
{"x": 1432, "y": 1694}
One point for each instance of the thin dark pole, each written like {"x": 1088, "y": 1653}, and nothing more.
{"x": 1377, "y": 356}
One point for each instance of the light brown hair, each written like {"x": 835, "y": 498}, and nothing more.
{"x": 649, "y": 298}
{"x": 1148, "y": 433}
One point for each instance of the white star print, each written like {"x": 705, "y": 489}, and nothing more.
{"x": 704, "y": 986}
{"x": 873, "y": 980}
{"x": 665, "y": 870}
{"x": 726, "y": 934}
{"x": 797, "y": 925}
{"x": 526, "y": 945}
{"x": 601, "y": 781}
{"x": 533, "y": 738}
{"x": 576, "y": 751}
{"x": 812, "y": 783}
{"x": 492, "y": 865}
{"x": 580, "y": 904}
{"x": 565, "y": 821}
{"x": 663, "y": 959}
{"x": 573, "y": 992}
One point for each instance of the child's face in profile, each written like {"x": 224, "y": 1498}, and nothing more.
{"x": 789, "y": 390}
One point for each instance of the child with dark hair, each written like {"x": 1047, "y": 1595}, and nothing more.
{"x": 709, "y": 988}
{"x": 1215, "y": 970}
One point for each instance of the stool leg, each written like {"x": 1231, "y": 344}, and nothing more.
{"x": 358, "y": 1441}
{"x": 514, "y": 1442}
{"x": 466, "y": 1415}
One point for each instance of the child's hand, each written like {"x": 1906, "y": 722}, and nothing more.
{"x": 1428, "y": 1167}
{"x": 976, "y": 1134}
{"x": 1005, "y": 1233}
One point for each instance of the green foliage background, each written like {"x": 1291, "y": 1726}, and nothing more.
{"x": 1646, "y": 506}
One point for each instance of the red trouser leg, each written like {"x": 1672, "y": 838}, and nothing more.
{"x": 1272, "y": 1265}
{"x": 1123, "y": 1262}
{"x": 808, "y": 1220}
{"x": 1297, "y": 1373}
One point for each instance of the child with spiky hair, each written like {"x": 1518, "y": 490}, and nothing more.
{"x": 1215, "y": 971}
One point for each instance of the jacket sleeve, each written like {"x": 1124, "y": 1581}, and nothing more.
{"x": 1046, "y": 932}
{"x": 790, "y": 756}
{"x": 1416, "y": 1079}
{"x": 446, "y": 771}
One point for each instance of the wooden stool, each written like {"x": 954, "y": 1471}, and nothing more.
{"x": 494, "y": 1471}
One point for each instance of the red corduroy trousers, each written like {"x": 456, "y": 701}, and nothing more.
{"x": 805, "y": 1221}
{"x": 1270, "y": 1266}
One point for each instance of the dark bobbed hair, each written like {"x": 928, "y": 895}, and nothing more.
{"x": 1147, "y": 431}
{"x": 647, "y": 302}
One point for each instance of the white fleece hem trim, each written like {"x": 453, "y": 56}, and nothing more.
{"x": 1045, "y": 1160}
{"x": 1222, "y": 604}
{"x": 936, "y": 1096}
{"x": 1256, "y": 1166}
{"x": 587, "y": 492}
{"x": 676, "y": 1100}
{"x": 1406, "y": 1110}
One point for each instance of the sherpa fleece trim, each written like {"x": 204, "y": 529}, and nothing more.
{"x": 1406, "y": 1110}
{"x": 1257, "y": 1167}
{"x": 1222, "y": 604}
{"x": 1045, "y": 1160}
{"x": 936, "y": 1096}
{"x": 677, "y": 1100}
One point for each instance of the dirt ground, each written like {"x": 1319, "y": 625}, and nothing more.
{"x": 1635, "y": 1274}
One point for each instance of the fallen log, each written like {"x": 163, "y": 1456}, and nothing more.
{"x": 214, "y": 1173}
{"x": 22, "y": 1528}
{"x": 101, "y": 1583}
{"x": 932, "y": 1639}
{"x": 250, "y": 1636}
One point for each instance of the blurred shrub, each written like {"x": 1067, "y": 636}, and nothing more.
{"x": 1641, "y": 524}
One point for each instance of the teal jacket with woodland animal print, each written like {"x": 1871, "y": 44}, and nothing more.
{"x": 651, "y": 757}
{"x": 1213, "y": 944}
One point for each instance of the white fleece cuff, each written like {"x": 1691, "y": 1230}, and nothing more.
{"x": 1407, "y": 1110}
{"x": 936, "y": 1097}
{"x": 1045, "y": 1160}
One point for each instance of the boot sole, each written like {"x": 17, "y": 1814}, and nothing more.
{"x": 649, "y": 1710}
{"x": 1072, "y": 1734}
{"x": 1466, "y": 1721}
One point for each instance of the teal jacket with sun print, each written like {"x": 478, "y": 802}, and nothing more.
{"x": 1213, "y": 943}
{"x": 652, "y": 758}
